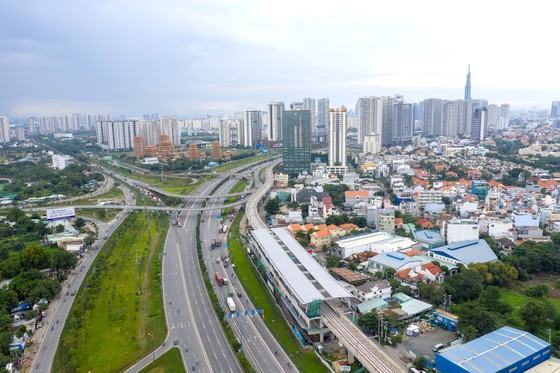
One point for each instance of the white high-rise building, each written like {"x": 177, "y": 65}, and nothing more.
{"x": 229, "y": 131}
{"x": 503, "y": 121}
{"x": 170, "y": 127}
{"x": 4, "y": 129}
{"x": 338, "y": 122}
{"x": 310, "y": 104}
{"x": 322, "y": 120}
{"x": 372, "y": 143}
{"x": 275, "y": 110}
{"x": 453, "y": 118}
{"x": 432, "y": 120}
{"x": 370, "y": 116}
{"x": 251, "y": 130}
{"x": 493, "y": 116}
{"x": 117, "y": 134}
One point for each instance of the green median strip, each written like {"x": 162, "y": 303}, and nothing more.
{"x": 237, "y": 188}
{"x": 232, "y": 340}
{"x": 306, "y": 361}
{"x": 169, "y": 362}
{"x": 117, "y": 317}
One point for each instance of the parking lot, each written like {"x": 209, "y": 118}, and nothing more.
{"x": 422, "y": 344}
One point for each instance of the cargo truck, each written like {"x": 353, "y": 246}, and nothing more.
{"x": 230, "y": 304}
{"x": 219, "y": 279}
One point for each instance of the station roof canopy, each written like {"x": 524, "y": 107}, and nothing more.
{"x": 301, "y": 273}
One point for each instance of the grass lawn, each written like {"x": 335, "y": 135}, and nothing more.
{"x": 237, "y": 188}
{"x": 517, "y": 299}
{"x": 169, "y": 362}
{"x": 241, "y": 162}
{"x": 117, "y": 316}
{"x": 104, "y": 215}
{"x": 306, "y": 361}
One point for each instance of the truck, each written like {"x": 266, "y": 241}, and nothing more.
{"x": 219, "y": 279}
{"x": 230, "y": 304}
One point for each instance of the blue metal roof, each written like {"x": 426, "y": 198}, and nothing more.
{"x": 496, "y": 351}
{"x": 394, "y": 260}
{"x": 428, "y": 236}
{"x": 474, "y": 251}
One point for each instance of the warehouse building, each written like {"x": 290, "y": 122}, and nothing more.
{"x": 503, "y": 350}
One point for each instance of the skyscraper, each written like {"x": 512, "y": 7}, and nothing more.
{"x": 251, "y": 133}
{"x": 338, "y": 121}
{"x": 310, "y": 104}
{"x": 432, "y": 118}
{"x": 468, "y": 86}
{"x": 555, "y": 109}
{"x": 479, "y": 123}
{"x": 493, "y": 116}
{"x": 503, "y": 122}
{"x": 322, "y": 119}
{"x": 296, "y": 131}
{"x": 4, "y": 129}
{"x": 275, "y": 110}
{"x": 387, "y": 121}
{"x": 403, "y": 123}
{"x": 370, "y": 116}
{"x": 117, "y": 134}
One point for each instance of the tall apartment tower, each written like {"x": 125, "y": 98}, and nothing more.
{"x": 117, "y": 134}
{"x": 338, "y": 122}
{"x": 387, "y": 119}
{"x": 251, "y": 133}
{"x": 370, "y": 116}
{"x": 468, "y": 85}
{"x": 311, "y": 105}
{"x": 432, "y": 118}
{"x": 275, "y": 110}
{"x": 322, "y": 120}
{"x": 503, "y": 121}
{"x": 4, "y": 129}
{"x": 296, "y": 151}
{"x": 479, "y": 124}
{"x": 555, "y": 109}
{"x": 403, "y": 123}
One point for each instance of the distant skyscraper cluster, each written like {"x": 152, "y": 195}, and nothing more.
{"x": 120, "y": 134}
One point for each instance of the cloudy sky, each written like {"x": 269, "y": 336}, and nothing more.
{"x": 191, "y": 57}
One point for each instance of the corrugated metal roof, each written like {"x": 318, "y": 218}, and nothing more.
{"x": 495, "y": 351}
{"x": 474, "y": 251}
{"x": 320, "y": 274}
{"x": 300, "y": 286}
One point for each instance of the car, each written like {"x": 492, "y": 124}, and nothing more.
{"x": 438, "y": 347}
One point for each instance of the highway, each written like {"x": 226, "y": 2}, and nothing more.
{"x": 193, "y": 197}
{"x": 259, "y": 345}
{"x": 194, "y": 207}
{"x": 191, "y": 321}
{"x": 60, "y": 308}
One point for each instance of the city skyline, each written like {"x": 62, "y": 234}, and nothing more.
{"x": 180, "y": 59}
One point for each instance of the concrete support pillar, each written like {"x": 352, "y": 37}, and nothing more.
{"x": 322, "y": 337}
{"x": 350, "y": 358}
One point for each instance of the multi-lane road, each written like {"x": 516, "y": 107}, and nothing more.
{"x": 259, "y": 345}
{"x": 192, "y": 323}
